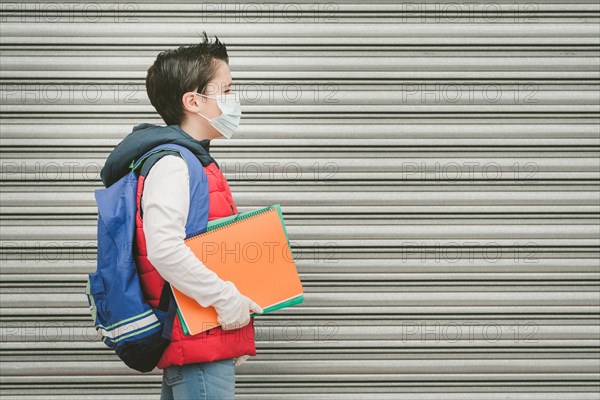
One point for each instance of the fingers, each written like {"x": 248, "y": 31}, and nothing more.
{"x": 243, "y": 318}
{"x": 254, "y": 307}
{"x": 236, "y": 325}
{"x": 242, "y": 321}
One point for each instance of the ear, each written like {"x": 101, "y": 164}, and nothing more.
{"x": 192, "y": 102}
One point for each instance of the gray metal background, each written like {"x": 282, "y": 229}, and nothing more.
{"x": 438, "y": 171}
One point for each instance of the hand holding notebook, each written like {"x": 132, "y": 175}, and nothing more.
{"x": 241, "y": 315}
{"x": 252, "y": 251}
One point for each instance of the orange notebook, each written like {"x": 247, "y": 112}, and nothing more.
{"x": 251, "y": 250}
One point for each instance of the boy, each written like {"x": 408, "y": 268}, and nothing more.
{"x": 190, "y": 88}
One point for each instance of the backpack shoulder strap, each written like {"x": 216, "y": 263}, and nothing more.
{"x": 199, "y": 191}
{"x": 149, "y": 161}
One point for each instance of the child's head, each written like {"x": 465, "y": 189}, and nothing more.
{"x": 202, "y": 67}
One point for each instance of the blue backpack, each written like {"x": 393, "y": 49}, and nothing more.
{"x": 138, "y": 333}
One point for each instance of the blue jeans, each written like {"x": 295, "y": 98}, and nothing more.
{"x": 201, "y": 381}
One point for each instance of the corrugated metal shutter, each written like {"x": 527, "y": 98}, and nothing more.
{"x": 437, "y": 164}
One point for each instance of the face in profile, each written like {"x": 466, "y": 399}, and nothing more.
{"x": 220, "y": 85}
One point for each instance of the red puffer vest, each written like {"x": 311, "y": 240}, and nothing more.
{"x": 211, "y": 345}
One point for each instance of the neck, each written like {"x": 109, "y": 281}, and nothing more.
{"x": 196, "y": 130}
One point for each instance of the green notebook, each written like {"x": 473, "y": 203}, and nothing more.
{"x": 218, "y": 223}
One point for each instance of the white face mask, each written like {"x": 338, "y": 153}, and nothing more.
{"x": 231, "y": 111}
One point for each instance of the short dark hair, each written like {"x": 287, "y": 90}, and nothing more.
{"x": 182, "y": 70}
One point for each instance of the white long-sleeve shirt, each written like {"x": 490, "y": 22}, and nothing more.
{"x": 165, "y": 207}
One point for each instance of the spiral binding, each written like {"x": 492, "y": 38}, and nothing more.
{"x": 239, "y": 218}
